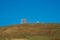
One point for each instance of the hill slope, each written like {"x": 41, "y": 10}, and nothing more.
{"x": 24, "y": 30}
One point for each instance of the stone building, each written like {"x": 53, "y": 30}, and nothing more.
{"x": 23, "y": 21}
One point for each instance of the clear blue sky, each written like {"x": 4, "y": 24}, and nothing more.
{"x": 11, "y": 11}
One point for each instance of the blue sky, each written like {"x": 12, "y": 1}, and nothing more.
{"x": 12, "y": 11}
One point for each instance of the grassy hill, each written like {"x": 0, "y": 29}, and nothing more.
{"x": 31, "y": 31}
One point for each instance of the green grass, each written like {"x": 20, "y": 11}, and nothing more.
{"x": 39, "y": 38}
{"x": 36, "y": 38}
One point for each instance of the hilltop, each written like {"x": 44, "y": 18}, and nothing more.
{"x": 24, "y": 30}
